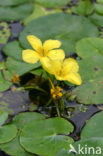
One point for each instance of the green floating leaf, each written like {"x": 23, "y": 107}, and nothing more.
{"x": 4, "y": 84}
{"x": 91, "y": 71}
{"x": 99, "y": 8}
{"x": 96, "y": 19}
{"x": 15, "y": 13}
{"x": 4, "y": 32}
{"x": 23, "y": 118}
{"x": 89, "y": 47}
{"x": 12, "y": 2}
{"x": 7, "y": 133}
{"x": 91, "y": 68}
{"x": 3, "y": 117}
{"x": 64, "y": 27}
{"x": 90, "y": 93}
{"x": 47, "y": 137}
{"x": 20, "y": 68}
{"x": 14, "y": 50}
{"x": 13, "y": 147}
{"x": 53, "y": 3}
{"x": 91, "y": 136}
{"x": 93, "y": 127}
{"x": 83, "y": 7}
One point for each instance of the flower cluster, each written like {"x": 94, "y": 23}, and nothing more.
{"x": 52, "y": 59}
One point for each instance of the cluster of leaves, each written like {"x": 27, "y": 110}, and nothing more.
{"x": 23, "y": 135}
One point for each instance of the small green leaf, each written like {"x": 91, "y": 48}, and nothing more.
{"x": 3, "y": 117}
{"x": 7, "y": 133}
{"x": 47, "y": 137}
{"x": 13, "y": 50}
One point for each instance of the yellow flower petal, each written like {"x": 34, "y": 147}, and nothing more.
{"x": 57, "y": 54}
{"x": 52, "y": 67}
{"x": 30, "y": 56}
{"x": 74, "y": 78}
{"x": 69, "y": 65}
{"x": 35, "y": 43}
{"x": 51, "y": 44}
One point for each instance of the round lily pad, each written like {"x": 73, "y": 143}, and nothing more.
{"x": 13, "y": 148}
{"x": 14, "y": 50}
{"x": 46, "y": 137}
{"x": 7, "y": 133}
{"x": 89, "y": 47}
{"x": 3, "y": 117}
{"x": 64, "y": 27}
{"x": 22, "y": 119}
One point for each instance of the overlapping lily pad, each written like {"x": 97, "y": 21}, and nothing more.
{"x": 90, "y": 93}
{"x": 15, "y": 13}
{"x": 13, "y": 147}
{"x": 7, "y": 133}
{"x": 47, "y": 137}
{"x": 91, "y": 71}
{"x": 64, "y": 27}
{"x": 23, "y": 118}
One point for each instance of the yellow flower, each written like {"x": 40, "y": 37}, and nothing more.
{"x": 42, "y": 51}
{"x": 55, "y": 91}
{"x": 65, "y": 70}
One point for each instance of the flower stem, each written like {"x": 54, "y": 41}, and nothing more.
{"x": 57, "y": 108}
